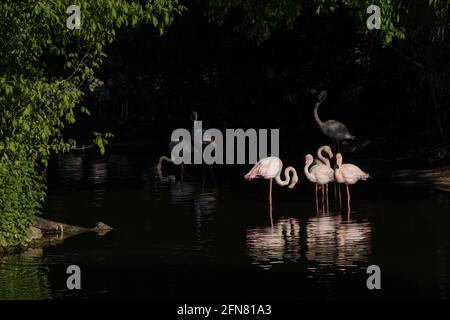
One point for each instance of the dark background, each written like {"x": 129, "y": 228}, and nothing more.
{"x": 234, "y": 83}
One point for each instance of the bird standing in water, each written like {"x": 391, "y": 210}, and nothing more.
{"x": 191, "y": 146}
{"x": 320, "y": 175}
{"x": 348, "y": 174}
{"x": 270, "y": 168}
{"x": 322, "y": 168}
{"x": 333, "y": 129}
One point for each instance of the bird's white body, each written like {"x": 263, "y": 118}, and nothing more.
{"x": 323, "y": 174}
{"x": 267, "y": 168}
{"x": 348, "y": 173}
{"x": 320, "y": 174}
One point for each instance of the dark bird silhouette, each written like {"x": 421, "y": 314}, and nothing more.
{"x": 333, "y": 129}
{"x": 188, "y": 145}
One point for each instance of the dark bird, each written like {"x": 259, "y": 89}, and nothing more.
{"x": 333, "y": 129}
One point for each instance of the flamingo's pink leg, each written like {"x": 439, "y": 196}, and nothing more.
{"x": 270, "y": 201}
{"x": 323, "y": 198}
{"x": 348, "y": 199}
{"x": 335, "y": 183}
{"x": 335, "y": 195}
{"x": 340, "y": 198}
{"x": 317, "y": 200}
{"x": 326, "y": 195}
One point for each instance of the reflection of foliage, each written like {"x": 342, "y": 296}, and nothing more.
{"x": 24, "y": 277}
{"x": 43, "y": 66}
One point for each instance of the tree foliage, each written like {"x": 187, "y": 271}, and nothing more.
{"x": 258, "y": 19}
{"x": 44, "y": 66}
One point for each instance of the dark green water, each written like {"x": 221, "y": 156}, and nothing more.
{"x": 210, "y": 237}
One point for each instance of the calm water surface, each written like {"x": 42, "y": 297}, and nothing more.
{"x": 210, "y": 237}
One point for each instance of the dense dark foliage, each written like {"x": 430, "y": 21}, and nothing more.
{"x": 376, "y": 86}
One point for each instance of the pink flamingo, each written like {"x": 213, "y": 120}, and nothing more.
{"x": 320, "y": 174}
{"x": 348, "y": 174}
{"x": 320, "y": 161}
{"x": 270, "y": 168}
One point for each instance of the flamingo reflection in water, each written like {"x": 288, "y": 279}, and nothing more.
{"x": 190, "y": 194}
{"x": 326, "y": 242}
{"x": 271, "y": 245}
{"x": 333, "y": 243}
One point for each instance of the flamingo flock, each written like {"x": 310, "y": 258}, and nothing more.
{"x": 321, "y": 174}
{"x": 318, "y": 171}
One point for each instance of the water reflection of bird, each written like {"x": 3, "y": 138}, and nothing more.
{"x": 271, "y": 245}
{"x": 334, "y": 243}
{"x": 191, "y": 195}
{"x": 348, "y": 174}
{"x": 182, "y": 193}
{"x": 270, "y": 168}
{"x": 205, "y": 203}
{"x": 99, "y": 171}
{"x": 333, "y": 129}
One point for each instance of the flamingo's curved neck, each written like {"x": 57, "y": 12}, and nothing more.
{"x": 287, "y": 177}
{"x": 316, "y": 115}
{"x": 322, "y": 158}
{"x": 161, "y": 160}
{"x": 308, "y": 174}
{"x": 338, "y": 170}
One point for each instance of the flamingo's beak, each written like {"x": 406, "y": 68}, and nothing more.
{"x": 292, "y": 185}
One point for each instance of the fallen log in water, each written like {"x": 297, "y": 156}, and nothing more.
{"x": 46, "y": 232}
{"x": 49, "y": 227}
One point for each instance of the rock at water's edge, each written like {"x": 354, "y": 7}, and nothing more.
{"x": 34, "y": 234}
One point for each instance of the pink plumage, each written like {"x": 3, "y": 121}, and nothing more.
{"x": 348, "y": 174}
